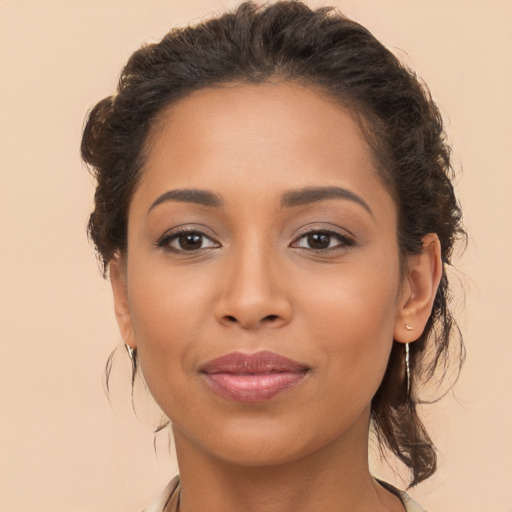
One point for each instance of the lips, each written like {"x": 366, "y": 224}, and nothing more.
{"x": 253, "y": 377}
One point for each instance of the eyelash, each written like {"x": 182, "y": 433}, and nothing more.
{"x": 166, "y": 240}
{"x": 343, "y": 241}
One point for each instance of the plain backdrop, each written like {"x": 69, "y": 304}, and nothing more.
{"x": 63, "y": 447}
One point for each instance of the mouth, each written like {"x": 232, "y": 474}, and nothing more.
{"x": 253, "y": 378}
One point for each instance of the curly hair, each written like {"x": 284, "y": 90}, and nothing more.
{"x": 317, "y": 48}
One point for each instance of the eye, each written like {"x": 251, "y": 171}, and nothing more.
{"x": 186, "y": 241}
{"x": 322, "y": 241}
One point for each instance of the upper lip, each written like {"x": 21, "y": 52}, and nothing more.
{"x": 258, "y": 362}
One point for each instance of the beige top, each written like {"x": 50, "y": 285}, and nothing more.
{"x": 169, "y": 498}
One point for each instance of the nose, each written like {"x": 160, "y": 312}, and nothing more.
{"x": 253, "y": 292}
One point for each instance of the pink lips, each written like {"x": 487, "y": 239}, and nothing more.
{"x": 253, "y": 377}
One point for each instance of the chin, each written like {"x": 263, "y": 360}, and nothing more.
{"x": 253, "y": 442}
{"x": 252, "y": 453}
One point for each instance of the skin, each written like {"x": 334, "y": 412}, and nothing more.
{"x": 255, "y": 282}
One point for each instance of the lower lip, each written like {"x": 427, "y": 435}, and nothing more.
{"x": 253, "y": 388}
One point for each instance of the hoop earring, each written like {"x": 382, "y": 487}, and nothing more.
{"x": 131, "y": 353}
{"x": 407, "y": 369}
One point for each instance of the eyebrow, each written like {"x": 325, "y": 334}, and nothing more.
{"x": 189, "y": 195}
{"x": 293, "y": 198}
{"x": 310, "y": 195}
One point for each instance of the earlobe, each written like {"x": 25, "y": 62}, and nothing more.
{"x": 117, "y": 273}
{"x": 419, "y": 290}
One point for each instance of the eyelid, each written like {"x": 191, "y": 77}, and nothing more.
{"x": 345, "y": 239}
{"x": 174, "y": 233}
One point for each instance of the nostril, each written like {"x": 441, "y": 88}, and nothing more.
{"x": 231, "y": 318}
{"x": 271, "y": 318}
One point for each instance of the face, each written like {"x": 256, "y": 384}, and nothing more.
{"x": 261, "y": 234}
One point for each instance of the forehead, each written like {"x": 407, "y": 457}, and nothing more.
{"x": 264, "y": 138}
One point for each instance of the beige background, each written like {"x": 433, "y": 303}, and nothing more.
{"x": 62, "y": 446}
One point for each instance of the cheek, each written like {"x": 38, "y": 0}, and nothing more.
{"x": 169, "y": 312}
{"x": 163, "y": 311}
{"x": 351, "y": 315}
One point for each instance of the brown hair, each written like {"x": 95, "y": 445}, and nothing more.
{"x": 323, "y": 49}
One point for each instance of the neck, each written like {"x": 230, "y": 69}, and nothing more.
{"x": 334, "y": 478}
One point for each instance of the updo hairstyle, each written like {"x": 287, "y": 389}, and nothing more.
{"x": 323, "y": 50}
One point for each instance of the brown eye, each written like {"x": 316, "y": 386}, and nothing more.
{"x": 319, "y": 240}
{"x": 187, "y": 241}
{"x": 190, "y": 241}
{"x": 322, "y": 241}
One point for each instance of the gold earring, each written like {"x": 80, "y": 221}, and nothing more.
{"x": 407, "y": 369}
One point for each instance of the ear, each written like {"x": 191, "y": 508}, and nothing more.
{"x": 117, "y": 273}
{"x": 419, "y": 289}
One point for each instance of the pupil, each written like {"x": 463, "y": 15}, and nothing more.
{"x": 319, "y": 240}
{"x": 190, "y": 241}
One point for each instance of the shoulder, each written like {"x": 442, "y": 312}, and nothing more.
{"x": 409, "y": 504}
{"x": 166, "y": 498}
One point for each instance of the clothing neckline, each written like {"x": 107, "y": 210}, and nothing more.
{"x": 168, "y": 499}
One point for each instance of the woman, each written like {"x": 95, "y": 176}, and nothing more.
{"x": 275, "y": 213}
